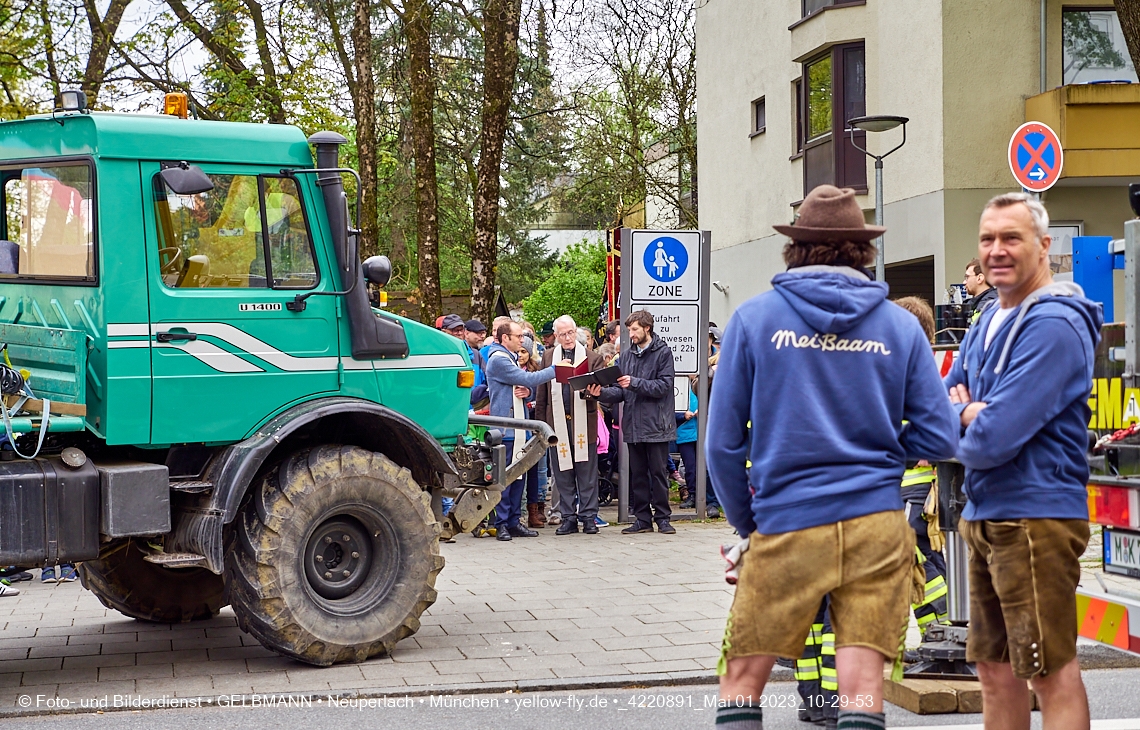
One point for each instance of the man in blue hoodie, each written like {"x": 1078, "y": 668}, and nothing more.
{"x": 1021, "y": 386}
{"x": 508, "y": 385}
{"x": 828, "y": 389}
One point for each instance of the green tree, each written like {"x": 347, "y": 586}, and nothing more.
{"x": 574, "y": 287}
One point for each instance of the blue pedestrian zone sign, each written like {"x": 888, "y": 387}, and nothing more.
{"x": 666, "y": 266}
{"x": 1035, "y": 156}
{"x": 666, "y": 259}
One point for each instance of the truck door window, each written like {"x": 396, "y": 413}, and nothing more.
{"x": 47, "y": 229}
{"x": 219, "y": 239}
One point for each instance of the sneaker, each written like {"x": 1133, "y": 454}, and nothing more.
{"x": 7, "y": 590}
{"x": 67, "y": 573}
{"x": 637, "y": 527}
{"x": 600, "y": 522}
{"x": 713, "y": 513}
{"x": 16, "y": 576}
{"x": 47, "y": 575}
{"x": 665, "y": 528}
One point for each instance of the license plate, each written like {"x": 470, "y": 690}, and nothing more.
{"x": 1122, "y": 552}
{"x": 260, "y": 307}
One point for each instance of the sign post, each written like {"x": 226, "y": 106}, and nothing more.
{"x": 667, "y": 274}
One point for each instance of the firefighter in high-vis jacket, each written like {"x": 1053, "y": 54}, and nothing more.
{"x": 920, "y": 502}
{"x": 816, "y": 679}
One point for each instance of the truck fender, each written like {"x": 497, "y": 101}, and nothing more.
{"x": 199, "y": 530}
{"x": 351, "y": 421}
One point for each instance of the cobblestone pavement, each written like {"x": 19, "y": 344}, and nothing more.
{"x": 554, "y": 610}
{"x": 546, "y": 608}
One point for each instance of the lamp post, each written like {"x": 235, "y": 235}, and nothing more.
{"x": 880, "y": 123}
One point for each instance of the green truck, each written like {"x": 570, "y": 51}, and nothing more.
{"x": 213, "y": 413}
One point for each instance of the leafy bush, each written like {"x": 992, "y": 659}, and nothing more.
{"x": 574, "y": 287}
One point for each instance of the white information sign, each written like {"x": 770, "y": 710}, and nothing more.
{"x": 666, "y": 266}
{"x": 678, "y": 325}
{"x": 681, "y": 393}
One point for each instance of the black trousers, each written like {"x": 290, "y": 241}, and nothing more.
{"x": 649, "y": 482}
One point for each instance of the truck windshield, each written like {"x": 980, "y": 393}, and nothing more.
{"x": 47, "y": 226}
{"x": 216, "y": 239}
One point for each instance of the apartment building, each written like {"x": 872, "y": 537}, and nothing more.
{"x": 777, "y": 80}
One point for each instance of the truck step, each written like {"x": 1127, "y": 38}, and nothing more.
{"x": 176, "y": 560}
{"x": 192, "y": 487}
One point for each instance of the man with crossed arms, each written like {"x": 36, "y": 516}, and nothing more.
{"x": 574, "y": 417}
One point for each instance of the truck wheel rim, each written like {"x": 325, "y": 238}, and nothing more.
{"x": 348, "y": 560}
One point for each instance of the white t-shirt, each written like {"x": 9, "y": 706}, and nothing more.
{"x": 995, "y": 324}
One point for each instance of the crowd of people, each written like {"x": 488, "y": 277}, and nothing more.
{"x": 515, "y": 376}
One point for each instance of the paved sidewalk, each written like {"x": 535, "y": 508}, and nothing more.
{"x": 545, "y": 612}
{"x": 546, "y": 608}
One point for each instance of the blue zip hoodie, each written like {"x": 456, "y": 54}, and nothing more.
{"x": 1025, "y": 451}
{"x": 827, "y": 371}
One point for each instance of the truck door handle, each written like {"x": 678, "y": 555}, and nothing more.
{"x": 172, "y": 336}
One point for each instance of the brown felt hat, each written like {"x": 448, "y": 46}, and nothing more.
{"x": 830, "y": 214}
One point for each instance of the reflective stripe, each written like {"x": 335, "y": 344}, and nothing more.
{"x": 830, "y": 679}
{"x": 924, "y": 620}
{"x": 917, "y": 475}
{"x": 935, "y": 589}
{"x": 807, "y": 670}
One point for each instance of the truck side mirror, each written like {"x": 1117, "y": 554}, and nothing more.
{"x": 378, "y": 270}
{"x": 185, "y": 179}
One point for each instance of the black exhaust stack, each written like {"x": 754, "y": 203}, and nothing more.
{"x": 372, "y": 336}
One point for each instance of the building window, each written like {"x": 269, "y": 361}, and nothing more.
{"x": 814, "y": 6}
{"x": 833, "y": 90}
{"x": 759, "y": 117}
{"x": 811, "y": 7}
{"x": 818, "y": 75}
{"x": 1093, "y": 47}
{"x": 798, "y": 104}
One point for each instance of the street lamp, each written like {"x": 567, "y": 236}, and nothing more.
{"x": 879, "y": 123}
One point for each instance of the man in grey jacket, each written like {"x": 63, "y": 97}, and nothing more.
{"x": 647, "y": 421}
{"x": 508, "y": 385}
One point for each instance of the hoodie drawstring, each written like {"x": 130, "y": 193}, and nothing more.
{"x": 1056, "y": 289}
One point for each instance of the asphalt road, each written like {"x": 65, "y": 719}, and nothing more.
{"x": 1114, "y": 699}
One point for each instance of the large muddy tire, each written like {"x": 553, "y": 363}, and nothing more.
{"x": 333, "y": 556}
{"x": 122, "y": 580}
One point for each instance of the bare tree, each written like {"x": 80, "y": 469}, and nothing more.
{"x": 636, "y": 99}
{"x": 417, "y": 17}
{"x": 358, "y": 77}
{"x": 500, "y": 63}
{"x": 102, "y": 33}
{"x": 262, "y": 86}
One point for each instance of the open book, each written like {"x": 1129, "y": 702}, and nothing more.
{"x": 563, "y": 373}
{"x": 603, "y": 377}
